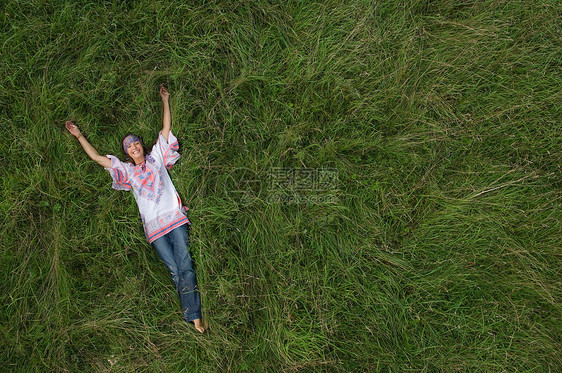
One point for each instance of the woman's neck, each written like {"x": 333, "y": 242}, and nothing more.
{"x": 139, "y": 161}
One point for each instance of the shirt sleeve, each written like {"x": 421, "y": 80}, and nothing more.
{"x": 118, "y": 174}
{"x": 166, "y": 152}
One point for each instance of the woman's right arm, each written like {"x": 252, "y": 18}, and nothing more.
{"x": 89, "y": 149}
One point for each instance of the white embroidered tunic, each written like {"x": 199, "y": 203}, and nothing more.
{"x": 158, "y": 201}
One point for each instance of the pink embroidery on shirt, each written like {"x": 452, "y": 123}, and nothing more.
{"x": 149, "y": 183}
{"x": 145, "y": 178}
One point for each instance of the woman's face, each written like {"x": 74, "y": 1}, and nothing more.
{"x": 136, "y": 152}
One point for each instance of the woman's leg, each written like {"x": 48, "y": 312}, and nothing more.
{"x": 165, "y": 250}
{"x": 187, "y": 281}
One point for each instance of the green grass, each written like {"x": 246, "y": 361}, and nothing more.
{"x": 441, "y": 251}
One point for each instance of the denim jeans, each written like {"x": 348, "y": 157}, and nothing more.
{"x": 173, "y": 249}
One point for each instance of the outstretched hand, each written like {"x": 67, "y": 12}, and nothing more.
{"x": 164, "y": 94}
{"x": 72, "y": 128}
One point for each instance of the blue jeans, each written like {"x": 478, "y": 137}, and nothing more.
{"x": 173, "y": 249}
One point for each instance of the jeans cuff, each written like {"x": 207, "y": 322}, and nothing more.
{"x": 192, "y": 316}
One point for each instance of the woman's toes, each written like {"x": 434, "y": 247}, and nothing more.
{"x": 199, "y": 325}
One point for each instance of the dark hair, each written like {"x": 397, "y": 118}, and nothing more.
{"x": 127, "y": 157}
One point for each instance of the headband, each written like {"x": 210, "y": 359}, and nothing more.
{"x": 129, "y": 140}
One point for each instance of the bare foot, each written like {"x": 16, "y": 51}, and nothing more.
{"x": 199, "y": 326}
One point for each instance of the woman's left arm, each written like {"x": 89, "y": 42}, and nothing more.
{"x": 166, "y": 119}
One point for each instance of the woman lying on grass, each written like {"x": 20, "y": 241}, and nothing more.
{"x": 164, "y": 218}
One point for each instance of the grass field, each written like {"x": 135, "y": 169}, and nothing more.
{"x": 434, "y": 243}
